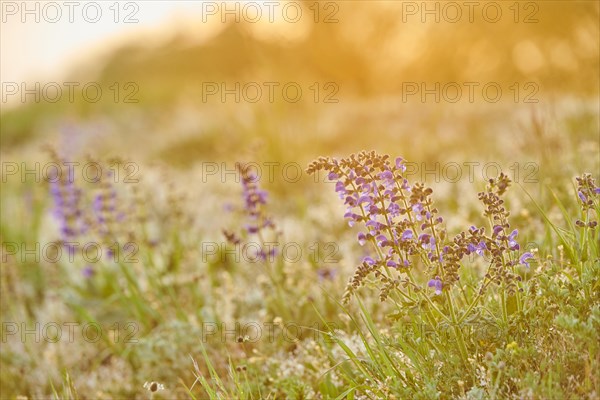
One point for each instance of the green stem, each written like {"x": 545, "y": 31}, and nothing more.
{"x": 457, "y": 331}
{"x": 274, "y": 279}
{"x": 444, "y": 317}
{"x": 503, "y": 304}
{"x": 473, "y": 303}
{"x": 496, "y": 385}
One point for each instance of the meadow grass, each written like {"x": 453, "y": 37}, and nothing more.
{"x": 496, "y": 315}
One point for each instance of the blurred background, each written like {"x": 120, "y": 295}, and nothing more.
{"x": 366, "y": 70}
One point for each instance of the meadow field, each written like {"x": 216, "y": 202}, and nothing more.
{"x": 368, "y": 200}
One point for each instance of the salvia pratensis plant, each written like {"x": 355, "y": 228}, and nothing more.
{"x": 589, "y": 202}
{"x": 415, "y": 261}
{"x": 68, "y": 204}
{"x": 111, "y": 215}
{"x": 258, "y": 224}
{"x": 588, "y": 194}
{"x": 259, "y": 233}
{"x": 90, "y": 210}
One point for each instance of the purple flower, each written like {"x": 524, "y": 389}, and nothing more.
{"x": 340, "y": 188}
{"x": 110, "y": 252}
{"x": 350, "y": 201}
{"x": 362, "y": 238}
{"x": 481, "y": 247}
{"x": 497, "y": 230}
{"x": 582, "y": 197}
{"x": 262, "y": 255}
{"x": 523, "y": 259}
{"x": 392, "y": 264}
{"x": 437, "y": 284}
{"x": 512, "y": 243}
{"x": 253, "y": 197}
{"x": 393, "y": 210}
{"x": 353, "y": 218}
{"x": 477, "y": 249}
{"x": 375, "y": 226}
{"x": 251, "y": 228}
{"x": 88, "y": 271}
{"x": 369, "y": 261}
{"x": 332, "y": 176}
{"x": 400, "y": 164}
{"x": 67, "y": 207}
{"x": 326, "y": 274}
{"x": 364, "y": 199}
{"x": 382, "y": 240}
{"x": 105, "y": 206}
{"x": 387, "y": 178}
{"x": 427, "y": 241}
{"x": 418, "y": 209}
{"x": 406, "y": 235}
{"x": 372, "y": 209}
{"x": 386, "y": 175}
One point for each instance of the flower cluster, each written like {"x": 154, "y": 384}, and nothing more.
{"x": 398, "y": 218}
{"x": 401, "y": 222}
{"x": 501, "y": 244}
{"x": 67, "y": 207}
{"x": 108, "y": 213}
{"x": 67, "y": 196}
{"x": 258, "y": 221}
{"x": 588, "y": 194}
{"x": 254, "y": 199}
{"x": 93, "y": 211}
